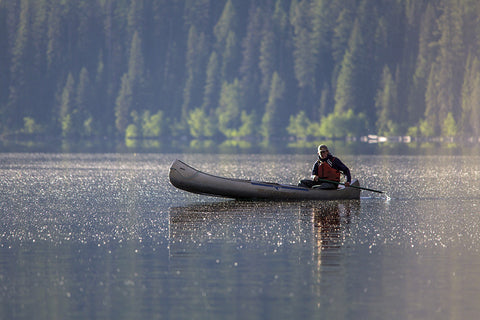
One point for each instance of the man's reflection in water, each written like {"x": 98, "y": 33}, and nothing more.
{"x": 330, "y": 225}
{"x": 328, "y": 228}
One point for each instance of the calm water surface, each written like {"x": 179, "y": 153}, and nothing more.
{"x": 105, "y": 236}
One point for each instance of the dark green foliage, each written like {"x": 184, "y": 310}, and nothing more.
{"x": 238, "y": 69}
{"x": 386, "y": 103}
{"x": 274, "y": 121}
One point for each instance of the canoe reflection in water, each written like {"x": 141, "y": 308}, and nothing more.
{"x": 227, "y": 222}
{"x": 323, "y": 224}
{"x": 275, "y": 260}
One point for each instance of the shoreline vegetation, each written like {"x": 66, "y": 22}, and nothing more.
{"x": 369, "y": 144}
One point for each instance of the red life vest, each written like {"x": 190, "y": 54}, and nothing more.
{"x": 325, "y": 171}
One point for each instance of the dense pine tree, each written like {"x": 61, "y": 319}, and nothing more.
{"x": 90, "y": 69}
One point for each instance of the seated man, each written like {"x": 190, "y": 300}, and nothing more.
{"x": 327, "y": 167}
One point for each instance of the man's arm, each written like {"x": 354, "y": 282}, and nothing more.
{"x": 343, "y": 168}
{"x": 314, "y": 170}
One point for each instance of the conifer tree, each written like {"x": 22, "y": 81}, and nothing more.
{"x": 135, "y": 19}
{"x": 84, "y": 91}
{"x": 55, "y": 45}
{"x": 131, "y": 95}
{"x": 348, "y": 85}
{"x": 322, "y": 22}
{"x": 226, "y": 41}
{"x": 226, "y": 23}
{"x": 274, "y": 120}
{"x": 267, "y": 59}
{"x": 67, "y": 108}
{"x": 342, "y": 30}
{"x": 248, "y": 71}
{"x": 83, "y": 103}
{"x": 19, "y": 68}
{"x": 229, "y": 109}
{"x": 470, "y": 95}
{"x": 230, "y": 57}
{"x": 431, "y": 125}
{"x": 304, "y": 51}
{"x": 123, "y": 104}
{"x": 212, "y": 83}
{"x": 386, "y": 104}
{"x": 195, "y": 60}
{"x": 424, "y": 59}
{"x": 475, "y": 107}
{"x": 451, "y": 55}
{"x": 282, "y": 44}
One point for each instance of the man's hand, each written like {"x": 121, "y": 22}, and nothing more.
{"x": 347, "y": 184}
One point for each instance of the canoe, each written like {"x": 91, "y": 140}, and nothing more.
{"x": 192, "y": 180}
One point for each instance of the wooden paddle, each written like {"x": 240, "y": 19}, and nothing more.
{"x": 350, "y": 186}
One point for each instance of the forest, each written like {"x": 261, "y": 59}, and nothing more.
{"x": 249, "y": 70}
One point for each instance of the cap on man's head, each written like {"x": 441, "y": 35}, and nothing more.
{"x": 322, "y": 146}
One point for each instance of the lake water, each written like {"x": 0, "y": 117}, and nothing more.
{"x": 105, "y": 236}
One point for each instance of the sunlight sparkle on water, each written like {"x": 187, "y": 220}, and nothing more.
{"x": 110, "y": 230}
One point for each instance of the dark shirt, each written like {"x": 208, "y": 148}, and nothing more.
{"x": 336, "y": 164}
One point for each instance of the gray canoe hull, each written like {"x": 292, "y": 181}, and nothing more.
{"x": 189, "y": 179}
